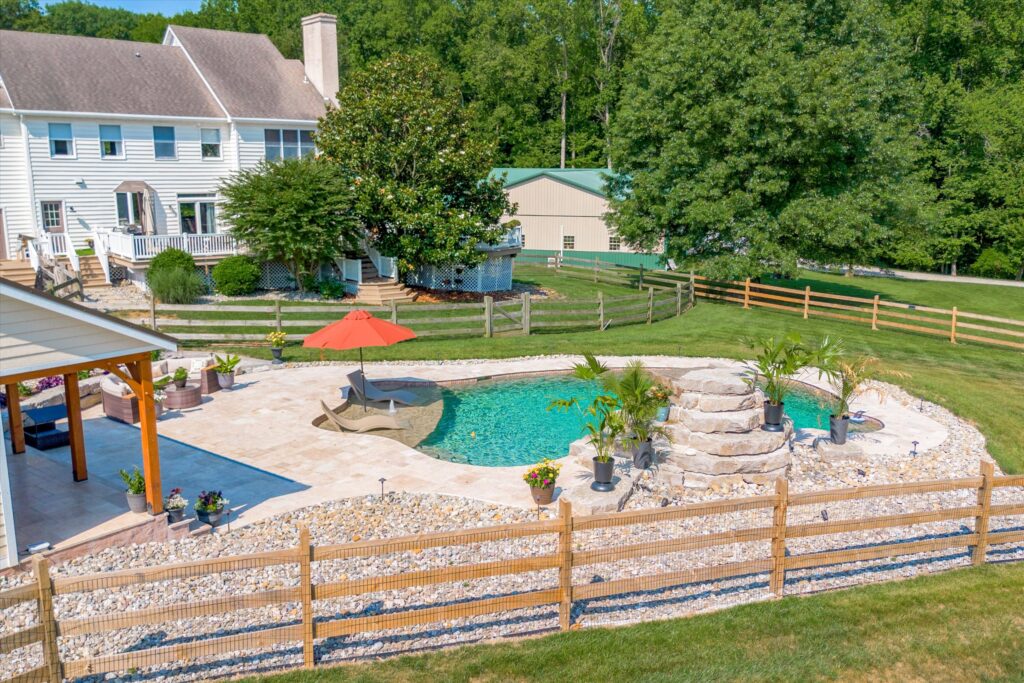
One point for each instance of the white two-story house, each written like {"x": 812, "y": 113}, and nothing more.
{"x": 120, "y": 147}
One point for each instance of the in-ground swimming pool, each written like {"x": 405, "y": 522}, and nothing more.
{"x": 497, "y": 423}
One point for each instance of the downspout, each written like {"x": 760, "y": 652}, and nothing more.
{"x": 30, "y": 177}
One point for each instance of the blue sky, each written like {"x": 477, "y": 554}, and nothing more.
{"x": 167, "y": 7}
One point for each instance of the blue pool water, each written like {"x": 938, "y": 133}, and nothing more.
{"x": 499, "y": 423}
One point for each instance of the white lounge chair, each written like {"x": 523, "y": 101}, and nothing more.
{"x": 365, "y": 390}
{"x": 363, "y": 424}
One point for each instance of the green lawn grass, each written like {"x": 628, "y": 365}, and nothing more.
{"x": 1006, "y": 302}
{"x": 965, "y": 625}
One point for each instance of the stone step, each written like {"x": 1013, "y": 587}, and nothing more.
{"x": 715, "y": 403}
{"x": 692, "y": 460}
{"x": 736, "y": 421}
{"x": 755, "y": 442}
{"x": 729, "y": 381}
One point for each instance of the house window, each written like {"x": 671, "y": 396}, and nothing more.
{"x": 287, "y": 143}
{"x": 129, "y": 209}
{"x": 197, "y": 217}
{"x": 62, "y": 143}
{"x": 568, "y": 241}
{"x": 210, "y": 142}
{"x": 110, "y": 142}
{"x": 614, "y": 244}
{"x": 163, "y": 142}
{"x": 53, "y": 216}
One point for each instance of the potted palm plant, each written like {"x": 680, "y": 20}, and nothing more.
{"x": 175, "y": 505}
{"x": 276, "y": 340}
{"x": 541, "y": 480}
{"x": 778, "y": 358}
{"x": 210, "y": 506}
{"x": 225, "y": 369}
{"x": 135, "y": 489}
{"x": 848, "y": 378}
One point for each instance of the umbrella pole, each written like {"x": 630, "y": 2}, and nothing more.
{"x": 362, "y": 375}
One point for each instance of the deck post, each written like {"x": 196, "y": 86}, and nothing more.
{"x": 51, "y": 655}
{"x": 526, "y": 313}
{"x": 17, "y": 427}
{"x": 778, "y": 575}
{"x": 306, "y": 587}
{"x": 988, "y": 471}
{"x": 565, "y": 564}
{"x": 142, "y": 371}
{"x": 76, "y": 435}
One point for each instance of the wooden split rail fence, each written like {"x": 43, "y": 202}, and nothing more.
{"x": 489, "y": 318}
{"x": 304, "y": 627}
{"x": 951, "y": 323}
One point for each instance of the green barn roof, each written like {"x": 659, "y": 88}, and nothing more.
{"x": 588, "y": 179}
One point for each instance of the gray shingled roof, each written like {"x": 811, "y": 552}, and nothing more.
{"x": 251, "y": 78}
{"x": 70, "y": 73}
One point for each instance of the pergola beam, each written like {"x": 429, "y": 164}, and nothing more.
{"x": 142, "y": 372}
{"x": 14, "y": 421}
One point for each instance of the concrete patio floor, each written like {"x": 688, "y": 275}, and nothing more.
{"x": 257, "y": 443}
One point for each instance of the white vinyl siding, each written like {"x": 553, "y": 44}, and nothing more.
{"x": 15, "y": 195}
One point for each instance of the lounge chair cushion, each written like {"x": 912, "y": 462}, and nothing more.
{"x": 114, "y": 386}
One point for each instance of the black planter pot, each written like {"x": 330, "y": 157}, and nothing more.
{"x": 212, "y": 517}
{"x": 838, "y": 428}
{"x": 773, "y": 415}
{"x": 643, "y": 455}
{"x": 174, "y": 516}
{"x": 603, "y": 473}
{"x": 180, "y": 383}
{"x": 276, "y": 353}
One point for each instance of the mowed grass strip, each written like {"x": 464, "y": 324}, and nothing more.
{"x": 964, "y": 625}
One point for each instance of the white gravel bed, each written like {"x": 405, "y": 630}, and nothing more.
{"x": 397, "y": 514}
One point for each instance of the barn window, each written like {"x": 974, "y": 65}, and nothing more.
{"x": 568, "y": 241}
{"x": 614, "y": 244}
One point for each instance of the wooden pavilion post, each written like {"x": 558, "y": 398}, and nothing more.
{"x": 76, "y": 435}
{"x": 14, "y": 418}
{"x": 142, "y": 372}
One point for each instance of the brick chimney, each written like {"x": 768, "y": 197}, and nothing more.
{"x": 320, "y": 53}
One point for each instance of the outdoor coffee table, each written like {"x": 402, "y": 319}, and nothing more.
{"x": 188, "y": 396}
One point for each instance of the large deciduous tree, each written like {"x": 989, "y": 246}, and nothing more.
{"x": 297, "y": 211}
{"x": 423, "y": 196}
{"x": 752, "y": 134}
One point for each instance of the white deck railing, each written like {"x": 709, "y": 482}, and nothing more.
{"x": 145, "y": 247}
{"x": 386, "y": 265}
{"x": 58, "y": 243}
{"x": 513, "y": 239}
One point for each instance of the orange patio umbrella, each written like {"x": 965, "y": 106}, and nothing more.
{"x": 357, "y": 330}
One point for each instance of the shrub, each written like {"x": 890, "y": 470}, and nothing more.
{"x": 176, "y": 286}
{"x": 993, "y": 263}
{"x": 170, "y": 259}
{"x": 236, "y": 275}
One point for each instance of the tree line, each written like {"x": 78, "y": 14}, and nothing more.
{"x": 744, "y": 134}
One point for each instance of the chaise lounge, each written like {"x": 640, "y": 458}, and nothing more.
{"x": 366, "y": 391}
{"x": 363, "y": 424}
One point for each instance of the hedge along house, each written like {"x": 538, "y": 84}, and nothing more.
{"x": 562, "y": 211}
{"x": 41, "y": 336}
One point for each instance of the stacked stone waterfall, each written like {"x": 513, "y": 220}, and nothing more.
{"x": 716, "y": 435}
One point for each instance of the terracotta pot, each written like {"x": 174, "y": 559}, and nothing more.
{"x": 773, "y": 416}
{"x": 838, "y": 428}
{"x": 136, "y": 501}
{"x": 603, "y": 471}
{"x": 542, "y": 495}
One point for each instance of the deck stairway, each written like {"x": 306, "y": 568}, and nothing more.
{"x": 375, "y": 290}
{"x": 18, "y": 271}
{"x": 90, "y": 271}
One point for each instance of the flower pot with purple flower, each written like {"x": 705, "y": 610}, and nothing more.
{"x": 541, "y": 480}
{"x": 175, "y": 505}
{"x": 210, "y": 507}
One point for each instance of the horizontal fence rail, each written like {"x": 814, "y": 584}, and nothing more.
{"x": 488, "y": 318}
{"x": 950, "y": 323}
{"x": 558, "y": 545}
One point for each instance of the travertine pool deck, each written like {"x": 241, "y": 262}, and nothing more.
{"x": 258, "y": 444}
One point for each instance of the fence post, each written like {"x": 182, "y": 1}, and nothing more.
{"x": 565, "y": 564}
{"x": 778, "y": 575}
{"x": 526, "y": 313}
{"x": 874, "y": 313}
{"x": 600, "y": 311}
{"x": 394, "y": 311}
{"x": 679, "y": 299}
{"x": 305, "y": 578}
{"x": 597, "y": 266}
{"x": 152, "y": 311}
{"x": 488, "y": 316}
{"x": 807, "y": 302}
{"x": 277, "y": 314}
{"x": 51, "y": 655}
{"x": 952, "y": 327}
{"x": 641, "y": 286}
{"x": 981, "y": 521}
{"x": 650, "y": 305}
{"x": 746, "y": 293}
{"x": 693, "y": 288}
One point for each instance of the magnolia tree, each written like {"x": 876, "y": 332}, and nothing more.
{"x": 422, "y": 193}
{"x": 297, "y": 211}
